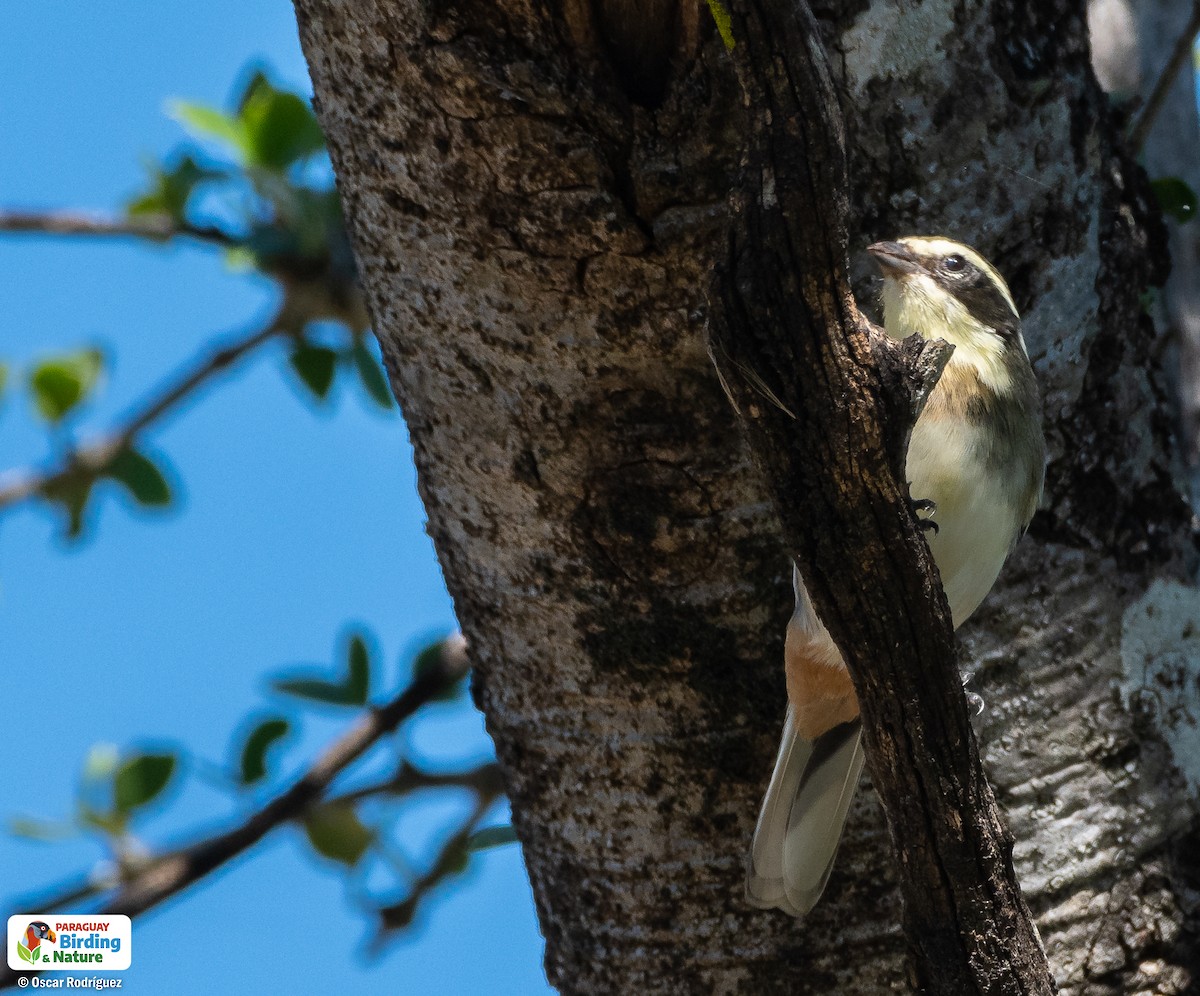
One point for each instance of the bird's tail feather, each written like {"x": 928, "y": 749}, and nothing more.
{"x": 802, "y": 815}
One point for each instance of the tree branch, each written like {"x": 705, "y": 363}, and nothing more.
{"x": 483, "y": 780}
{"x": 828, "y": 403}
{"x": 398, "y": 915}
{"x": 155, "y": 228}
{"x": 171, "y": 873}
{"x": 1140, "y": 130}
{"x": 92, "y": 458}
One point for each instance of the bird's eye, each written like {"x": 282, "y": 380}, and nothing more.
{"x": 954, "y": 264}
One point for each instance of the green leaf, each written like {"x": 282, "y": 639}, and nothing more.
{"x": 336, "y": 832}
{"x": 141, "y": 779}
{"x": 315, "y": 690}
{"x": 171, "y": 189}
{"x": 43, "y": 830}
{"x": 208, "y": 122}
{"x": 141, "y": 477}
{"x": 724, "y": 23}
{"x": 257, "y": 81}
{"x": 72, "y": 493}
{"x": 24, "y": 952}
{"x": 455, "y": 860}
{"x": 279, "y": 128}
{"x": 314, "y": 365}
{"x": 358, "y": 665}
{"x": 299, "y": 235}
{"x": 260, "y": 740}
{"x": 481, "y": 840}
{"x": 270, "y": 245}
{"x": 59, "y": 384}
{"x": 1175, "y": 197}
{"x": 75, "y": 505}
{"x": 240, "y": 259}
{"x": 371, "y": 374}
{"x": 431, "y": 659}
{"x": 111, "y": 824}
{"x": 353, "y": 690}
{"x": 314, "y": 218}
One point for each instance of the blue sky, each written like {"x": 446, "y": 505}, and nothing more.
{"x": 293, "y": 525}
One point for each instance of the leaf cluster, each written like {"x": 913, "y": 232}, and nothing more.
{"x": 120, "y": 788}
{"x": 255, "y": 182}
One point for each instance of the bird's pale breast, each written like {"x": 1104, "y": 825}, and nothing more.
{"x": 952, "y": 462}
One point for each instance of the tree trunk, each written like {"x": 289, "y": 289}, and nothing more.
{"x": 1132, "y": 46}
{"x": 536, "y": 233}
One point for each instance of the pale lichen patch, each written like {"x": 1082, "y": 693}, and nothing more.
{"x": 1160, "y": 657}
{"x": 880, "y": 44}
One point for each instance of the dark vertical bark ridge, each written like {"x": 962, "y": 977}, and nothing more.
{"x": 787, "y": 315}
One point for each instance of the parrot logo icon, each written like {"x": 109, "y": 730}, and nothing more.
{"x": 29, "y": 947}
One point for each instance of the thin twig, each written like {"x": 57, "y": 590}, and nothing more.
{"x": 175, "y": 872}
{"x": 156, "y": 228}
{"x": 482, "y": 780}
{"x": 66, "y": 896}
{"x": 171, "y": 873}
{"x": 1140, "y": 130}
{"x": 93, "y": 457}
{"x": 398, "y": 915}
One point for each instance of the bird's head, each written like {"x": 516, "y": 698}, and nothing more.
{"x": 39, "y": 930}
{"x": 942, "y": 289}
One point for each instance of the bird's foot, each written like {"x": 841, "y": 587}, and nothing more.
{"x": 925, "y": 505}
{"x": 974, "y": 702}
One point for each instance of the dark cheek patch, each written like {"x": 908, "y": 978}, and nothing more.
{"x": 987, "y": 304}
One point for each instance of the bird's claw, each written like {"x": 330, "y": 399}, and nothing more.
{"x": 925, "y": 505}
{"x": 974, "y": 702}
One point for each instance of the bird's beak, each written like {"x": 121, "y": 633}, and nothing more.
{"x": 51, "y": 936}
{"x": 895, "y": 258}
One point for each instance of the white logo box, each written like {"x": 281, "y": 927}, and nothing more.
{"x": 69, "y": 942}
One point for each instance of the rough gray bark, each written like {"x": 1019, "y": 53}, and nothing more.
{"x": 1132, "y": 44}
{"x": 536, "y": 245}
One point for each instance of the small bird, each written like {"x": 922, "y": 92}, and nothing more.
{"x": 975, "y": 462}
{"x": 37, "y": 932}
